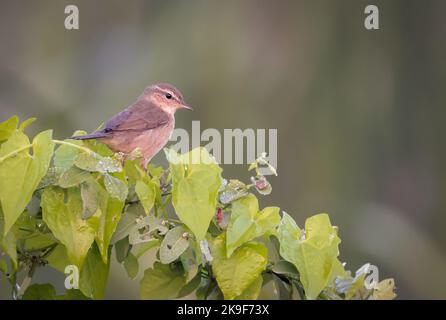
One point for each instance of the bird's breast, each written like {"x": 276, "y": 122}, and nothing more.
{"x": 152, "y": 141}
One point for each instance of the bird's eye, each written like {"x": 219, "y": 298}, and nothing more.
{"x": 168, "y": 96}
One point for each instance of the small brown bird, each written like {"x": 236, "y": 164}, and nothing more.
{"x": 146, "y": 124}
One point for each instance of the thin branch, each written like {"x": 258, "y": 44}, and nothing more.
{"x": 73, "y": 145}
{"x": 13, "y": 153}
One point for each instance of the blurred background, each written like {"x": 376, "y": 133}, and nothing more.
{"x": 360, "y": 114}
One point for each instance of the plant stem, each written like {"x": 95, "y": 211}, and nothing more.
{"x": 27, "y": 280}
{"x": 290, "y": 296}
{"x": 73, "y": 145}
{"x": 13, "y": 153}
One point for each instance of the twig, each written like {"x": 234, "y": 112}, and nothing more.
{"x": 73, "y": 145}
{"x": 13, "y": 153}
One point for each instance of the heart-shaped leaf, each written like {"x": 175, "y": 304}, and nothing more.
{"x": 313, "y": 251}
{"x": 235, "y": 274}
{"x": 21, "y": 173}
{"x": 196, "y": 181}
{"x": 116, "y": 187}
{"x": 146, "y": 228}
{"x": 163, "y": 281}
{"x": 65, "y": 221}
{"x": 73, "y": 177}
{"x": 174, "y": 244}
{"x": 248, "y": 223}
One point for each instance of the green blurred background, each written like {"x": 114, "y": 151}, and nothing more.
{"x": 360, "y": 114}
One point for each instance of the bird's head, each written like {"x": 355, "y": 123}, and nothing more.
{"x": 165, "y": 96}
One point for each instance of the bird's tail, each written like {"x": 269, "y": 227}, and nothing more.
{"x": 94, "y": 135}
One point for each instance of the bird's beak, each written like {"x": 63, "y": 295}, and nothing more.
{"x": 185, "y": 106}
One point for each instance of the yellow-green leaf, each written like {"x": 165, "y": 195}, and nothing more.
{"x": 93, "y": 275}
{"x": 174, "y": 244}
{"x": 236, "y": 274}
{"x": 21, "y": 173}
{"x": 313, "y": 251}
{"x": 58, "y": 259}
{"x": 163, "y": 281}
{"x": 196, "y": 181}
{"x": 116, "y": 188}
{"x": 40, "y": 292}
{"x": 72, "y": 177}
{"x": 8, "y": 127}
{"x": 127, "y": 222}
{"x": 26, "y": 123}
{"x": 65, "y": 221}
{"x": 131, "y": 265}
{"x": 253, "y": 291}
{"x": 247, "y": 222}
{"x": 64, "y": 155}
{"x": 8, "y": 242}
{"x": 146, "y": 193}
{"x": 95, "y": 162}
{"x": 109, "y": 215}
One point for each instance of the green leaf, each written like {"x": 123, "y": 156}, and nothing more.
{"x": 99, "y": 148}
{"x": 133, "y": 171}
{"x": 163, "y": 281}
{"x": 190, "y": 287}
{"x": 232, "y": 190}
{"x": 190, "y": 262}
{"x": 64, "y": 155}
{"x": 285, "y": 268}
{"x": 235, "y": 274}
{"x": 58, "y": 259}
{"x": 40, "y": 292}
{"x": 3, "y": 266}
{"x": 174, "y": 244}
{"x": 91, "y": 194}
{"x": 122, "y": 249}
{"x": 140, "y": 249}
{"x": 72, "y": 294}
{"x": 253, "y": 291}
{"x": 313, "y": 251}
{"x": 247, "y": 222}
{"x": 8, "y": 243}
{"x": 146, "y": 228}
{"x": 146, "y": 193}
{"x": 26, "y": 123}
{"x": 94, "y": 162}
{"x": 110, "y": 214}
{"x": 196, "y": 181}
{"x": 73, "y": 177}
{"x": 21, "y": 173}
{"x": 127, "y": 222}
{"x": 65, "y": 221}
{"x": 93, "y": 275}
{"x": 116, "y": 187}
{"x": 131, "y": 265}
{"x": 8, "y": 127}
{"x": 155, "y": 171}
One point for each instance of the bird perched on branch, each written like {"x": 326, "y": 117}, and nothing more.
{"x": 146, "y": 124}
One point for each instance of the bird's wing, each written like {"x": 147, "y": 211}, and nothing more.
{"x": 140, "y": 116}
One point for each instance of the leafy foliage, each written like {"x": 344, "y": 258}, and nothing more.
{"x": 72, "y": 204}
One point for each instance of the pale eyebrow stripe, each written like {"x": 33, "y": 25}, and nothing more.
{"x": 166, "y": 91}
